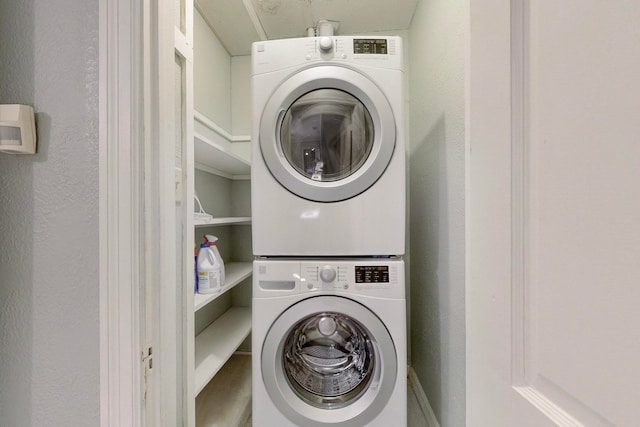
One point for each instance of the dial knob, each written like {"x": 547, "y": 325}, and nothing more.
{"x": 327, "y": 274}
{"x": 326, "y": 44}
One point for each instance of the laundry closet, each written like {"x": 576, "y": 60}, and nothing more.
{"x": 522, "y": 155}
{"x": 213, "y": 101}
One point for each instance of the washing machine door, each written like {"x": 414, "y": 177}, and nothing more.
{"x": 327, "y": 133}
{"x": 329, "y": 360}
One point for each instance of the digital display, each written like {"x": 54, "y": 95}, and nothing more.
{"x": 372, "y": 274}
{"x": 370, "y": 46}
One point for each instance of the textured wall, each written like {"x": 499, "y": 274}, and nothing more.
{"x": 437, "y": 67}
{"x": 49, "y": 324}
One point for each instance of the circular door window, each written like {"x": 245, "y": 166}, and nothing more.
{"x": 327, "y": 133}
{"x": 329, "y": 359}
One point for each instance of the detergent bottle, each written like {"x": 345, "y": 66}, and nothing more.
{"x": 213, "y": 240}
{"x": 208, "y": 271}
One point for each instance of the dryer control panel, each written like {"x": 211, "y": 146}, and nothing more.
{"x": 375, "y": 51}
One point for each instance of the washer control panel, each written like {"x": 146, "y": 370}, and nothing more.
{"x": 382, "y": 277}
{"x": 348, "y": 276}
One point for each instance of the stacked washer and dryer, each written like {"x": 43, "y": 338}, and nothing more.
{"x": 328, "y": 208}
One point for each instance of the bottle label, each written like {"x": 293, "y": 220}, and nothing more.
{"x": 208, "y": 280}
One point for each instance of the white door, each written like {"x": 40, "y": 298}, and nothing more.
{"x": 553, "y": 237}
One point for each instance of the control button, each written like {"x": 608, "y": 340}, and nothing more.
{"x": 327, "y": 274}
{"x": 308, "y": 57}
{"x": 309, "y": 285}
{"x": 326, "y": 44}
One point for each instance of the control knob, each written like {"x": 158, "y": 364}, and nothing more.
{"x": 327, "y": 274}
{"x": 326, "y": 43}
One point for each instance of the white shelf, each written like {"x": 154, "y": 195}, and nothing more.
{"x": 226, "y": 400}
{"x": 215, "y": 345}
{"x": 235, "y": 272}
{"x": 216, "y": 151}
{"x": 235, "y": 220}
{"x": 212, "y": 156}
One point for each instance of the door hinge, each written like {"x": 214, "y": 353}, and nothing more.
{"x": 147, "y": 361}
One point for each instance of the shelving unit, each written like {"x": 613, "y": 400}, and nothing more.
{"x": 217, "y": 343}
{"x": 217, "y": 164}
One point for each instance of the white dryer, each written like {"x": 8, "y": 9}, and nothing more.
{"x": 328, "y": 172}
{"x": 329, "y": 343}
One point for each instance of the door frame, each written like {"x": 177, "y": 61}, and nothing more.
{"x": 136, "y": 211}
{"x": 119, "y": 214}
{"x": 488, "y": 201}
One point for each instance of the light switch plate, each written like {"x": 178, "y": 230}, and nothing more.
{"x": 17, "y": 129}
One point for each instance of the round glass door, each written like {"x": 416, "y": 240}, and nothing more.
{"x": 327, "y": 133}
{"x": 329, "y": 359}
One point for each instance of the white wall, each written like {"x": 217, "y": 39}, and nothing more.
{"x": 211, "y": 75}
{"x": 241, "y": 95}
{"x": 49, "y": 323}
{"x": 437, "y": 40}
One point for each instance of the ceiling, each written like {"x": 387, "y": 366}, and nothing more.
{"x": 238, "y": 23}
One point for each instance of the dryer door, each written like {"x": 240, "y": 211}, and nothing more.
{"x": 327, "y": 133}
{"x": 329, "y": 360}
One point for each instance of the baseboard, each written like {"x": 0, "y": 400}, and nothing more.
{"x": 423, "y": 402}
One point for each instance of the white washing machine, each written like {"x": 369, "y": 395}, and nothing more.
{"x": 329, "y": 343}
{"x": 328, "y": 160}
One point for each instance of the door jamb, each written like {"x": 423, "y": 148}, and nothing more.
{"x": 120, "y": 213}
